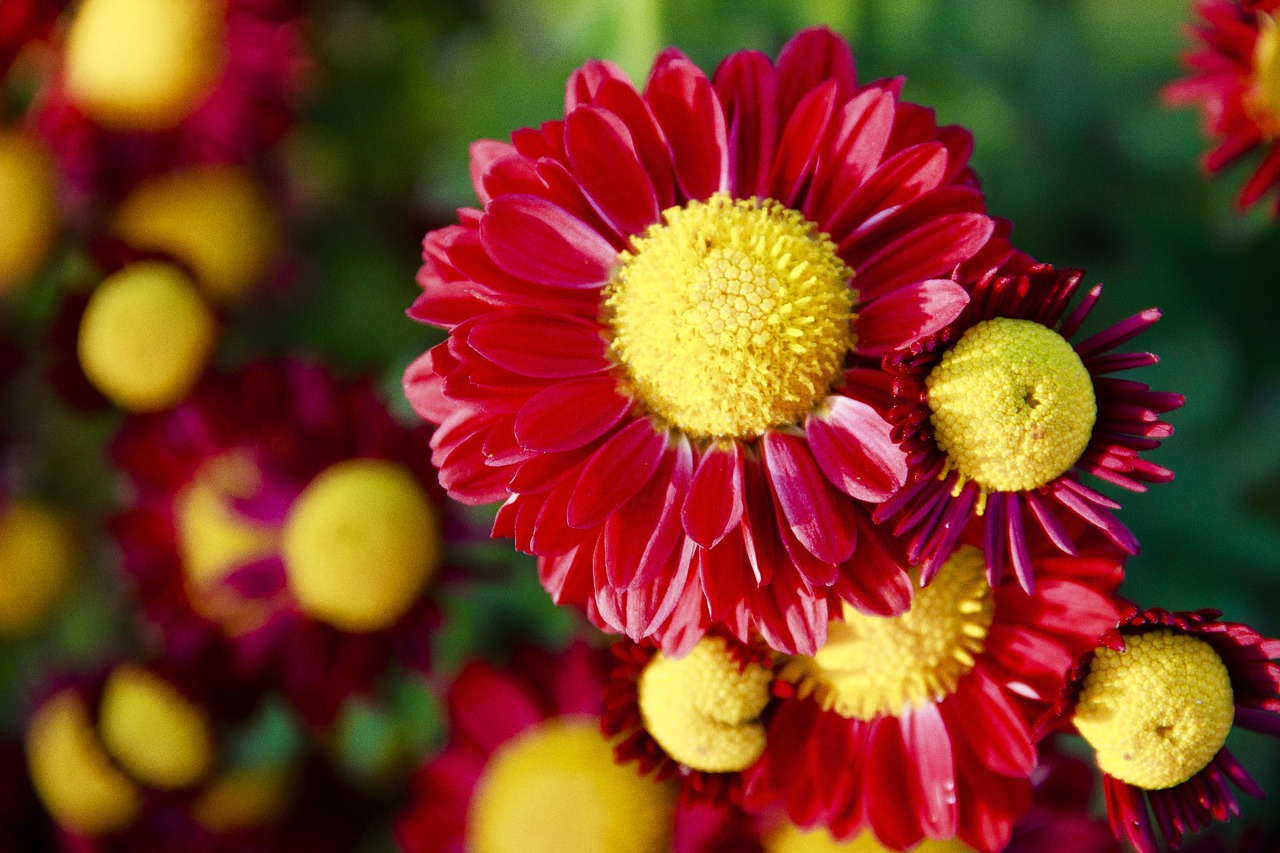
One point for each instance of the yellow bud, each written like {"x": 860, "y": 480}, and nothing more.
{"x": 27, "y": 198}
{"x": 153, "y": 731}
{"x": 37, "y": 557}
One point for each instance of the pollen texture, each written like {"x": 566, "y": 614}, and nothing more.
{"x": 1157, "y": 713}
{"x": 1013, "y": 405}
{"x": 704, "y": 709}
{"x": 556, "y": 787}
{"x": 874, "y": 665}
{"x": 360, "y": 544}
{"x": 730, "y": 317}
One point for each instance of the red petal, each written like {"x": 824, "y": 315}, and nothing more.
{"x": 584, "y": 84}
{"x": 541, "y": 242}
{"x": 716, "y": 496}
{"x": 858, "y": 144}
{"x": 994, "y": 727}
{"x": 539, "y": 343}
{"x": 570, "y": 414}
{"x": 801, "y": 140}
{"x": 853, "y": 445}
{"x": 691, "y": 117}
{"x": 424, "y": 388}
{"x": 808, "y": 59}
{"x": 616, "y": 472}
{"x": 927, "y": 252}
{"x": 483, "y": 154}
{"x": 748, "y": 88}
{"x": 647, "y": 137}
{"x": 641, "y": 537}
{"x": 806, "y": 499}
{"x": 606, "y": 164}
{"x": 904, "y": 316}
{"x": 891, "y": 809}
{"x": 928, "y": 744}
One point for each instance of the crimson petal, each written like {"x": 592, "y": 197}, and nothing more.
{"x": 607, "y": 166}
{"x": 902, "y": 317}
{"x": 853, "y": 446}
{"x": 716, "y": 498}
{"x": 562, "y": 347}
{"x": 541, "y": 242}
{"x": 806, "y": 499}
{"x": 544, "y": 422}
{"x": 616, "y": 472}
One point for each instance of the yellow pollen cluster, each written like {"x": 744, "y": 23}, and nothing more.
{"x": 144, "y": 64}
{"x": 555, "y": 787}
{"x": 1013, "y": 406}
{"x": 1262, "y": 99}
{"x": 360, "y": 544}
{"x": 873, "y": 665}
{"x": 145, "y": 337}
{"x": 1158, "y": 712}
{"x": 704, "y": 709}
{"x": 37, "y": 560}
{"x": 730, "y": 317}
{"x": 158, "y": 735}
{"x": 28, "y": 200}
{"x": 788, "y": 839}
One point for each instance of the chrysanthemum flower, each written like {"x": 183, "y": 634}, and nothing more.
{"x": 527, "y": 769}
{"x": 697, "y": 718}
{"x": 1000, "y": 413}
{"x": 1235, "y": 77}
{"x": 135, "y": 759}
{"x": 27, "y": 195}
{"x": 288, "y": 514}
{"x": 38, "y": 557}
{"x": 1156, "y": 700}
{"x": 146, "y": 86}
{"x": 920, "y": 726}
{"x": 655, "y": 330}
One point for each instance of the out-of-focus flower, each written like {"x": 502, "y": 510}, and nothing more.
{"x": 147, "y": 86}
{"x": 1000, "y": 413}
{"x": 27, "y": 197}
{"x": 24, "y": 825}
{"x": 527, "y": 769}
{"x": 1156, "y": 700}
{"x": 657, "y": 327}
{"x": 288, "y": 514}
{"x": 921, "y": 725}
{"x": 38, "y": 557}
{"x": 22, "y": 22}
{"x": 1235, "y": 78}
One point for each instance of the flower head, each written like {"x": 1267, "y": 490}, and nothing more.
{"x": 1156, "y": 700}
{"x": 1235, "y": 78}
{"x": 658, "y": 329}
{"x": 919, "y": 726}
{"x": 285, "y": 513}
{"x": 999, "y": 413}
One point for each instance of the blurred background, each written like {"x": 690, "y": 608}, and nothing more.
{"x": 1072, "y": 145}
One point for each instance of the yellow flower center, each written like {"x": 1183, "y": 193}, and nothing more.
{"x": 71, "y": 772}
{"x": 1013, "y": 405}
{"x": 144, "y": 64}
{"x": 37, "y": 558}
{"x": 243, "y": 799}
{"x": 158, "y": 735}
{"x": 217, "y": 220}
{"x": 555, "y": 787}
{"x": 145, "y": 337}
{"x": 873, "y": 665}
{"x": 704, "y": 708}
{"x": 360, "y": 544}
{"x": 1159, "y": 711}
{"x": 1262, "y": 99}
{"x": 731, "y": 317}
{"x": 30, "y": 213}
{"x": 789, "y": 839}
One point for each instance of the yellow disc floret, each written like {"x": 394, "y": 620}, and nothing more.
{"x": 30, "y": 214}
{"x": 155, "y": 733}
{"x": 1013, "y": 405}
{"x": 730, "y": 317}
{"x": 71, "y": 772}
{"x": 788, "y": 839}
{"x": 37, "y": 558}
{"x": 555, "y": 787}
{"x": 874, "y": 665}
{"x": 146, "y": 336}
{"x": 144, "y": 64}
{"x": 1262, "y": 99}
{"x": 1157, "y": 713}
{"x": 704, "y": 709}
{"x": 360, "y": 544}
{"x": 217, "y": 220}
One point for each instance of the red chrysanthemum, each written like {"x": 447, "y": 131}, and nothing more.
{"x": 921, "y": 726}
{"x": 528, "y": 770}
{"x": 1235, "y": 78}
{"x": 1156, "y": 699}
{"x": 288, "y": 515}
{"x": 239, "y": 113}
{"x": 999, "y": 413}
{"x": 656, "y": 326}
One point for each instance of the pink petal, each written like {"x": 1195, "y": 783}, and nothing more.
{"x": 570, "y": 414}
{"x": 616, "y": 472}
{"x": 690, "y": 115}
{"x": 424, "y": 388}
{"x": 533, "y": 239}
{"x": 539, "y": 344}
{"x": 483, "y": 154}
{"x": 584, "y": 83}
{"x": 607, "y": 167}
{"x": 852, "y": 444}
{"x": 805, "y": 498}
{"x": 900, "y": 318}
{"x": 716, "y": 498}
{"x": 928, "y": 744}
